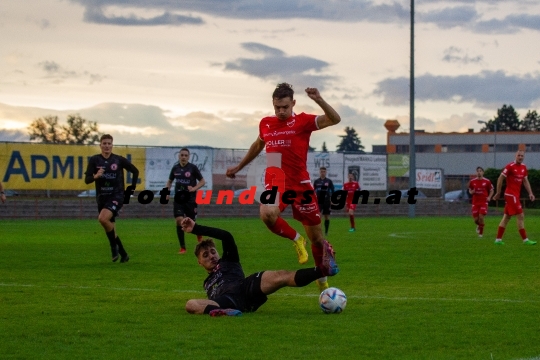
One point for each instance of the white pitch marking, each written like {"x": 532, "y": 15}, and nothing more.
{"x": 395, "y": 298}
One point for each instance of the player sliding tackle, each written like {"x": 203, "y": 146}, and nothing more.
{"x": 287, "y": 134}
{"x": 229, "y": 291}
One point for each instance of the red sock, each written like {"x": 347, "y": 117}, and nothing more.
{"x": 523, "y": 234}
{"x": 351, "y": 218}
{"x": 283, "y": 229}
{"x": 199, "y": 238}
{"x": 317, "y": 254}
{"x": 481, "y": 229}
{"x": 500, "y": 232}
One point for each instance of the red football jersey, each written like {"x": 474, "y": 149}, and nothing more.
{"x": 481, "y": 188}
{"x": 351, "y": 187}
{"x": 515, "y": 173}
{"x": 290, "y": 138}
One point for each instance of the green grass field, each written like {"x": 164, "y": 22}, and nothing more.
{"x": 423, "y": 288}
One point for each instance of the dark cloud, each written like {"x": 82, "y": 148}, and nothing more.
{"x": 510, "y": 24}
{"x": 58, "y": 74}
{"x": 348, "y": 11}
{"x": 178, "y": 12}
{"x": 302, "y": 71}
{"x": 449, "y": 17}
{"x": 457, "y": 55}
{"x": 96, "y": 15}
{"x": 487, "y": 89}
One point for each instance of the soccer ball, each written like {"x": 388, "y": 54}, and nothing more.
{"x": 332, "y": 300}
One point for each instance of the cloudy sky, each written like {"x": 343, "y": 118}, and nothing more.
{"x": 201, "y": 72}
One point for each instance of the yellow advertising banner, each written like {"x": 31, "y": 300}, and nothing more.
{"x": 57, "y": 167}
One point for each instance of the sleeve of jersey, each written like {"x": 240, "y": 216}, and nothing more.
{"x": 89, "y": 178}
{"x": 198, "y": 175}
{"x": 310, "y": 122}
{"x": 133, "y": 169}
{"x": 230, "y": 251}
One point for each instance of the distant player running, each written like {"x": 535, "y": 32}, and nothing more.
{"x": 288, "y": 133}
{"x": 351, "y": 187}
{"x": 107, "y": 171}
{"x": 515, "y": 174}
{"x": 188, "y": 179}
{"x": 481, "y": 190}
{"x": 324, "y": 188}
{"x": 229, "y": 291}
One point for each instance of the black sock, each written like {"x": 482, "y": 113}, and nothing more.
{"x": 209, "y": 308}
{"x": 326, "y": 226}
{"x": 180, "y": 234}
{"x": 304, "y": 277}
{"x": 121, "y": 249}
{"x": 111, "y": 236}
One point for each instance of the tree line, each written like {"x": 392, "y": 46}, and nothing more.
{"x": 83, "y": 132}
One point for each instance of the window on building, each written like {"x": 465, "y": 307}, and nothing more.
{"x": 402, "y": 149}
{"x": 507, "y": 147}
{"x": 461, "y": 148}
{"x": 532, "y": 147}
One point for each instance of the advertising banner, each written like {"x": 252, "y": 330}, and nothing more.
{"x": 369, "y": 170}
{"x": 333, "y": 162}
{"x": 159, "y": 162}
{"x": 56, "y": 167}
{"x": 429, "y": 178}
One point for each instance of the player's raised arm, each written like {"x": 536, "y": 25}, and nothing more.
{"x": 254, "y": 150}
{"x": 330, "y": 117}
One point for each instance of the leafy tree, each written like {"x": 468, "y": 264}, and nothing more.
{"x": 531, "y": 121}
{"x": 77, "y": 131}
{"x": 350, "y": 142}
{"x": 311, "y": 148}
{"x": 507, "y": 119}
{"x": 324, "y": 149}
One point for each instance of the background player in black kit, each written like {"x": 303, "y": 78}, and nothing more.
{"x": 107, "y": 170}
{"x": 324, "y": 188}
{"x": 229, "y": 291}
{"x": 185, "y": 176}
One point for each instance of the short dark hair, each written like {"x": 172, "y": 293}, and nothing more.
{"x": 185, "y": 149}
{"x": 481, "y": 168}
{"x": 282, "y": 91}
{"x": 203, "y": 245}
{"x": 322, "y": 168}
{"x": 105, "y": 136}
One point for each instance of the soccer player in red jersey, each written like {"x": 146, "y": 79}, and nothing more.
{"x": 287, "y": 133}
{"x": 515, "y": 174}
{"x": 481, "y": 190}
{"x": 351, "y": 187}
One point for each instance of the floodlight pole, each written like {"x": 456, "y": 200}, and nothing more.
{"x": 412, "y": 152}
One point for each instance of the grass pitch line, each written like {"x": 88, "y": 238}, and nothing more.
{"x": 282, "y": 294}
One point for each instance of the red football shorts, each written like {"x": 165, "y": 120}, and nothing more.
{"x": 512, "y": 206}
{"x": 479, "y": 209}
{"x": 308, "y": 214}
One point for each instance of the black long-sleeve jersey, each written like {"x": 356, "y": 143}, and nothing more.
{"x": 322, "y": 185}
{"x": 112, "y": 180}
{"x": 227, "y": 277}
{"x": 184, "y": 176}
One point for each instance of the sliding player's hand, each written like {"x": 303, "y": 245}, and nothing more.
{"x": 188, "y": 224}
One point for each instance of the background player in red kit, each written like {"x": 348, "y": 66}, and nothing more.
{"x": 351, "y": 186}
{"x": 515, "y": 174}
{"x": 288, "y": 133}
{"x": 481, "y": 190}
